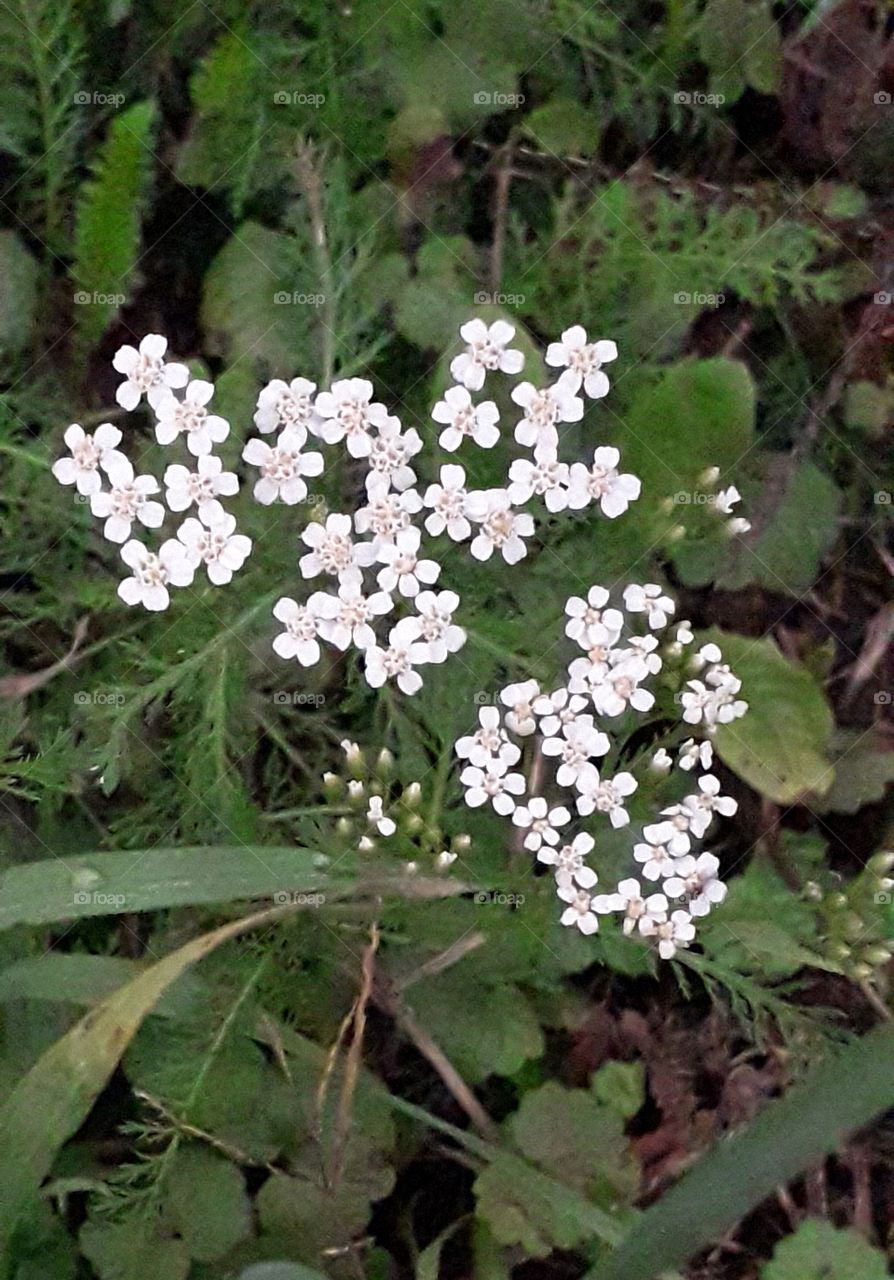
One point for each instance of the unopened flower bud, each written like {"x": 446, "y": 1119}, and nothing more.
{"x": 365, "y": 844}
{"x": 412, "y": 823}
{"x": 355, "y": 792}
{"x": 660, "y": 762}
{"x": 344, "y": 827}
{"x": 882, "y": 862}
{"x": 412, "y": 794}
{"x": 709, "y": 478}
{"x": 385, "y": 764}
{"x": 676, "y": 533}
{"x": 354, "y": 758}
{"x": 444, "y": 859}
{"x": 333, "y": 786}
{"x": 461, "y": 843}
{"x": 876, "y": 955}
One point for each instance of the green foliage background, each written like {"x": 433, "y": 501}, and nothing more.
{"x": 667, "y": 175}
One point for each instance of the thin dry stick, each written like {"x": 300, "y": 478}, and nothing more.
{"x": 500, "y": 214}
{"x": 444, "y": 960}
{"x": 355, "y": 1051}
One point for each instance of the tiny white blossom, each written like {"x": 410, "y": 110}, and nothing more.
{"x": 396, "y": 661}
{"x": 333, "y": 550}
{"x": 389, "y": 457}
{"x": 544, "y": 408}
{"x": 726, "y": 499}
{"x": 558, "y": 709}
{"x": 283, "y": 467}
{"x": 201, "y": 487}
{"x": 189, "y": 417}
{"x": 697, "y": 879}
{"x": 584, "y": 359}
{"x": 657, "y": 861}
{"x": 486, "y": 351}
{"x": 579, "y": 911}
{"x": 694, "y": 753}
{"x": 589, "y": 622}
{"x": 488, "y": 741}
{"x": 377, "y": 818}
{"x": 344, "y": 618}
{"x": 501, "y": 527}
{"x": 604, "y": 795}
{"x": 436, "y": 626}
{"x": 89, "y": 453}
{"x": 661, "y": 761}
{"x": 541, "y": 822}
{"x": 386, "y": 514}
{"x": 673, "y": 833}
{"x": 404, "y": 570}
{"x": 495, "y": 784}
{"x": 602, "y": 483}
{"x": 350, "y": 414}
{"x": 146, "y": 371}
{"x": 545, "y": 476}
{"x": 477, "y": 422}
{"x": 218, "y": 546}
{"x": 448, "y": 505}
{"x": 127, "y": 500}
{"x": 286, "y": 404}
{"x": 299, "y": 640}
{"x": 649, "y": 599}
{"x": 153, "y": 573}
{"x": 684, "y": 633}
{"x": 569, "y": 862}
{"x": 620, "y": 686}
{"x": 672, "y": 934}
{"x": 639, "y": 912}
{"x": 518, "y": 698}
{"x": 578, "y": 743}
{"x": 701, "y": 808}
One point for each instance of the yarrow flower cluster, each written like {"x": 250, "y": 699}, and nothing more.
{"x": 179, "y": 405}
{"x": 580, "y": 728}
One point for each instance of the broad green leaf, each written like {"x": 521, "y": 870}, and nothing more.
{"x": 781, "y": 745}
{"x": 77, "y": 978}
{"x": 145, "y": 879}
{"x": 863, "y": 773}
{"x": 248, "y": 300}
{"x": 49, "y": 1104}
{"x": 842, "y": 1093}
{"x": 118, "y": 1251}
{"x": 572, "y": 1135}
{"x": 107, "y": 231}
{"x": 207, "y": 1202}
{"x": 564, "y": 127}
{"x": 621, "y": 1086}
{"x": 868, "y": 407}
{"x": 699, "y": 414}
{"x": 280, "y": 1271}
{"x": 18, "y": 296}
{"x": 819, "y": 1251}
{"x": 789, "y": 553}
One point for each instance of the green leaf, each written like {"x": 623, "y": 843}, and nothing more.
{"x": 868, "y": 407}
{"x": 789, "y": 553}
{"x": 863, "y": 773}
{"x": 739, "y": 43}
{"x": 781, "y": 746}
{"x": 840, "y": 1094}
{"x": 207, "y": 1202}
{"x": 819, "y": 1251}
{"x": 621, "y": 1086}
{"x": 572, "y": 1135}
{"x": 280, "y": 1271}
{"x": 107, "y": 230}
{"x": 145, "y": 879}
{"x": 243, "y": 311}
{"x": 77, "y": 978}
{"x": 18, "y": 298}
{"x": 564, "y": 127}
{"x": 49, "y": 1104}
{"x": 118, "y": 1251}
{"x": 698, "y": 414}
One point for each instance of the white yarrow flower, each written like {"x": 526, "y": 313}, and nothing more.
{"x": 345, "y": 618}
{"x": 487, "y": 742}
{"x": 604, "y": 795}
{"x": 396, "y": 661}
{"x": 127, "y": 500}
{"x": 435, "y": 610}
{"x": 493, "y": 783}
{"x": 544, "y": 408}
{"x": 89, "y": 453}
{"x": 405, "y": 571}
{"x": 502, "y": 529}
{"x": 146, "y": 372}
{"x": 299, "y": 640}
{"x": 287, "y": 404}
{"x": 189, "y": 417}
{"x": 218, "y": 546}
{"x": 154, "y": 572}
{"x": 485, "y": 352}
{"x": 349, "y": 414}
{"x": 569, "y": 862}
{"x": 541, "y": 822}
{"x": 463, "y": 420}
{"x": 650, "y": 600}
{"x": 447, "y": 501}
{"x": 584, "y": 359}
{"x": 602, "y": 483}
{"x": 283, "y": 467}
{"x": 518, "y": 698}
{"x": 333, "y": 550}
{"x": 202, "y": 487}
{"x": 579, "y": 911}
